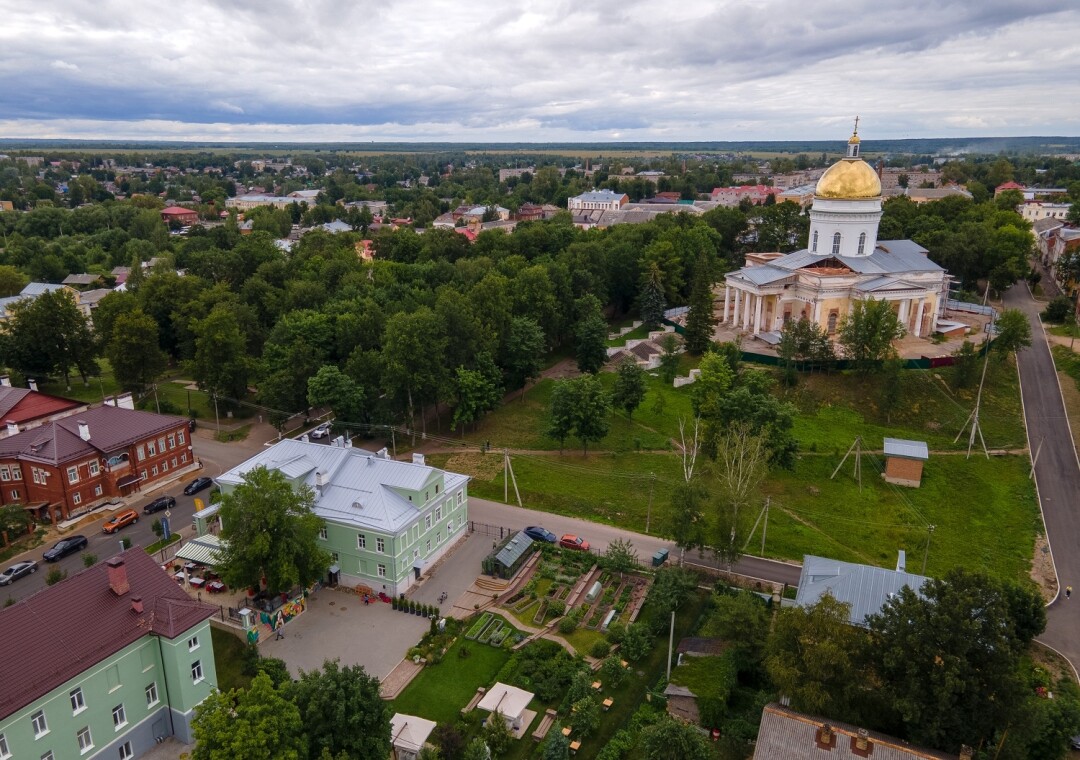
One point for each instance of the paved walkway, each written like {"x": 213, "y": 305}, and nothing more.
{"x": 1057, "y": 472}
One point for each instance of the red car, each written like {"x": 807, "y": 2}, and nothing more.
{"x": 570, "y": 541}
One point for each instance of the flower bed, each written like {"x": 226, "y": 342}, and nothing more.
{"x": 541, "y": 613}
{"x": 479, "y": 626}
{"x": 500, "y": 636}
{"x": 495, "y": 625}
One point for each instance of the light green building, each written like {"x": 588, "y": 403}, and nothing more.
{"x": 104, "y": 664}
{"x": 386, "y": 522}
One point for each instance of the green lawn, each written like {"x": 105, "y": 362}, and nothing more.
{"x": 440, "y": 691}
{"x": 641, "y": 331}
{"x": 229, "y": 654}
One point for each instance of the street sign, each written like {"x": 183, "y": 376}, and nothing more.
{"x": 165, "y": 533}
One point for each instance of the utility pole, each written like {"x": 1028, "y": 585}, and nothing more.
{"x": 648, "y": 514}
{"x": 670, "y": 644}
{"x": 217, "y": 418}
{"x": 929, "y": 535}
{"x": 765, "y": 527}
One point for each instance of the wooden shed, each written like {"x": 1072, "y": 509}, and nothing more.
{"x": 904, "y": 461}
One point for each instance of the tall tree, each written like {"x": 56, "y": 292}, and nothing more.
{"x": 592, "y": 411}
{"x": 686, "y": 521}
{"x": 474, "y": 395}
{"x": 523, "y": 355}
{"x": 49, "y": 335}
{"x": 333, "y": 388}
{"x": 867, "y": 334}
{"x": 651, "y": 303}
{"x": 1013, "y": 331}
{"x": 742, "y": 462}
{"x": 221, "y": 366}
{"x": 342, "y": 712}
{"x": 257, "y": 723}
{"x": 700, "y": 320}
{"x": 561, "y": 420}
{"x": 669, "y": 739}
{"x": 669, "y": 358}
{"x": 965, "y": 365}
{"x": 591, "y": 351}
{"x": 413, "y": 347}
{"x": 629, "y": 390}
{"x": 270, "y": 532}
{"x": 134, "y": 353}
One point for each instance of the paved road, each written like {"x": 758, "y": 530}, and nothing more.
{"x": 599, "y": 536}
{"x": 1057, "y": 473}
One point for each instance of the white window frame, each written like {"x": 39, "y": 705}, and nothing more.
{"x": 14, "y": 494}
{"x": 449, "y": 527}
{"x": 39, "y": 723}
{"x": 361, "y": 541}
{"x": 73, "y": 474}
{"x": 197, "y": 672}
{"x": 836, "y": 244}
{"x": 380, "y": 545}
{"x": 93, "y": 467}
{"x": 381, "y": 570}
{"x": 119, "y": 717}
{"x": 78, "y": 703}
{"x": 5, "y": 473}
{"x": 862, "y": 242}
{"x": 161, "y": 444}
{"x": 85, "y": 740}
{"x": 180, "y": 437}
{"x": 140, "y": 452}
{"x": 193, "y": 643}
{"x": 427, "y": 522}
{"x": 98, "y": 490}
{"x": 813, "y": 246}
{"x": 5, "y": 753}
{"x": 16, "y": 472}
{"x": 460, "y": 497}
{"x": 322, "y": 533}
{"x": 438, "y": 512}
{"x": 151, "y": 448}
{"x": 172, "y": 441}
{"x": 76, "y": 498}
{"x": 126, "y": 753}
{"x": 47, "y": 755}
{"x": 151, "y": 694}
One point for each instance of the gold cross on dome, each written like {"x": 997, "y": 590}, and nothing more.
{"x": 856, "y": 125}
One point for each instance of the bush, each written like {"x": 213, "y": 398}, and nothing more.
{"x": 616, "y": 632}
{"x": 88, "y": 559}
{"x": 637, "y": 643}
{"x": 568, "y": 624}
{"x": 55, "y": 576}
{"x": 1058, "y": 310}
{"x": 556, "y": 607}
{"x": 600, "y": 649}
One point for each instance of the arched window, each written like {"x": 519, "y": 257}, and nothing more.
{"x": 836, "y": 244}
{"x": 862, "y": 243}
{"x": 813, "y": 247}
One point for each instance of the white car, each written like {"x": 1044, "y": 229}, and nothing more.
{"x": 321, "y": 431}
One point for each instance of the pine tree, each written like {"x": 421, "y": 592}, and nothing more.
{"x": 700, "y": 320}
{"x": 651, "y": 301}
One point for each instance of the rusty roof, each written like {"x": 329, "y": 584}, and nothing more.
{"x": 23, "y": 405}
{"x": 67, "y": 628}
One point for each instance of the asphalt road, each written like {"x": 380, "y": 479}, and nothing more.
{"x": 1057, "y": 473}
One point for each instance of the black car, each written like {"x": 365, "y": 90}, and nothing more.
{"x": 536, "y": 533}
{"x": 18, "y": 570}
{"x": 64, "y": 547}
{"x": 197, "y": 485}
{"x": 158, "y": 504}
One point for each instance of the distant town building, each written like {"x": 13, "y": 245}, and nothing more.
{"x": 732, "y": 196}
{"x": 1033, "y": 211}
{"x": 598, "y": 200}
{"x": 180, "y": 215}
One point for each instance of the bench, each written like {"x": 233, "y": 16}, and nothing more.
{"x": 545, "y": 725}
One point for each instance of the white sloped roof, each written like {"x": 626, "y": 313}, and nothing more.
{"x": 507, "y": 700}
{"x": 409, "y": 732}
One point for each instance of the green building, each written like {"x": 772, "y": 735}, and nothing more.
{"x": 104, "y": 664}
{"x": 386, "y": 522}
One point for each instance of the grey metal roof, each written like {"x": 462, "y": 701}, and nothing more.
{"x": 513, "y": 550}
{"x": 886, "y": 283}
{"x": 897, "y": 447}
{"x": 864, "y": 587}
{"x": 762, "y": 274}
{"x": 600, "y": 195}
{"x": 35, "y": 289}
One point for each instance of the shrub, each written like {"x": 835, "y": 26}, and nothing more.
{"x": 1058, "y": 310}
{"x": 568, "y": 624}
{"x": 616, "y": 632}
{"x": 55, "y": 576}
{"x": 600, "y": 649}
{"x": 88, "y": 559}
{"x": 637, "y": 643}
{"x": 556, "y": 607}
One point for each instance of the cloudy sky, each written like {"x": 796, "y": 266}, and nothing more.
{"x": 588, "y": 70}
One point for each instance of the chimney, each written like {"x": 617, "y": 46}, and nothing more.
{"x": 33, "y": 385}
{"x": 5, "y": 381}
{"x": 109, "y": 401}
{"x": 118, "y": 581}
{"x": 860, "y": 743}
{"x": 124, "y": 401}
{"x": 320, "y": 479}
{"x": 418, "y": 458}
{"x": 824, "y": 737}
{"x": 12, "y": 427}
{"x": 136, "y": 605}
{"x": 84, "y": 430}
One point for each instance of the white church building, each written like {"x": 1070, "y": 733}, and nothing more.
{"x": 844, "y": 263}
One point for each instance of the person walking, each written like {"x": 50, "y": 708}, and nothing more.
{"x": 1068, "y": 592}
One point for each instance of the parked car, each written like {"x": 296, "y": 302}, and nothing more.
{"x": 18, "y": 570}
{"x": 321, "y": 431}
{"x": 64, "y": 547}
{"x": 120, "y": 520}
{"x": 197, "y": 485}
{"x": 158, "y": 504}
{"x": 536, "y": 533}
{"x": 570, "y": 541}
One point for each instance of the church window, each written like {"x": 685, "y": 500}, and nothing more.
{"x": 814, "y": 246}
{"x": 836, "y": 244}
{"x": 862, "y": 243}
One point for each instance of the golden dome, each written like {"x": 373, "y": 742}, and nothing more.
{"x": 849, "y": 179}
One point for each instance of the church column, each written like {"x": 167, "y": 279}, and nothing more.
{"x": 747, "y": 310}
{"x": 727, "y": 295}
{"x": 738, "y": 301}
{"x": 918, "y": 318}
{"x": 904, "y": 311}
{"x": 817, "y": 313}
{"x": 757, "y": 316}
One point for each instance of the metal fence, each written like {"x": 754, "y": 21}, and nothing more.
{"x": 501, "y": 531}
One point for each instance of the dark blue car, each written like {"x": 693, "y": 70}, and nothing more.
{"x": 197, "y": 485}
{"x": 536, "y": 533}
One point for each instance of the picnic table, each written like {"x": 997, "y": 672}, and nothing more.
{"x": 215, "y": 587}
{"x": 196, "y": 581}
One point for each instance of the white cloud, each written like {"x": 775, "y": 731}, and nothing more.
{"x": 486, "y": 69}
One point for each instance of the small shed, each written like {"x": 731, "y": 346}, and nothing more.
{"x": 508, "y": 558}
{"x": 510, "y": 702}
{"x": 904, "y": 461}
{"x": 408, "y": 733}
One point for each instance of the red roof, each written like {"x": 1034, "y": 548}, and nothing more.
{"x": 178, "y": 211}
{"x": 1010, "y": 185}
{"x": 68, "y": 628}
{"x": 24, "y": 405}
{"x": 466, "y": 232}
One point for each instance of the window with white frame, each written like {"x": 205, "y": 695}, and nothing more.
{"x": 427, "y": 546}
{"x": 193, "y": 643}
{"x": 183, "y": 458}
{"x": 836, "y": 244}
{"x": 180, "y": 437}
{"x": 151, "y": 448}
{"x": 73, "y": 474}
{"x": 427, "y": 522}
{"x": 47, "y": 755}
{"x": 322, "y": 533}
{"x": 86, "y": 742}
{"x": 165, "y": 466}
{"x": 76, "y": 498}
{"x": 380, "y": 545}
{"x": 151, "y": 694}
{"x": 119, "y": 716}
{"x": 161, "y": 444}
{"x": 382, "y": 570}
{"x": 97, "y": 490}
{"x": 140, "y": 452}
{"x": 449, "y": 527}
{"x": 361, "y": 541}
{"x": 174, "y": 462}
{"x": 126, "y": 753}
{"x": 813, "y": 246}
{"x": 35, "y": 474}
{"x": 438, "y": 538}
{"x": 154, "y": 470}
{"x": 16, "y": 472}
{"x": 5, "y": 473}
{"x": 460, "y": 497}
{"x": 334, "y": 558}
{"x": 196, "y": 671}
{"x": 14, "y": 494}
{"x": 40, "y": 725}
{"x": 438, "y": 513}
{"x": 94, "y": 467}
{"x": 5, "y": 753}
{"x": 172, "y": 440}
{"x": 862, "y": 243}
{"x": 78, "y": 704}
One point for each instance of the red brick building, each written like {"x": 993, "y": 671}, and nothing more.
{"x": 22, "y": 409}
{"x": 65, "y": 466}
{"x": 180, "y": 215}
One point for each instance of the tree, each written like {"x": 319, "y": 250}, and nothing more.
{"x": 950, "y": 657}
{"x": 651, "y": 302}
{"x": 700, "y": 320}
{"x": 742, "y": 462}
{"x": 556, "y": 745}
{"x": 561, "y": 421}
{"x": 14, "y": 522}
{"x": 333, "y": 388}
{"x": 270, "y": 532}
{"x": 637, "y": 642}
{"x": 629, "y": 390}
{"x": 12, "y": 281}
{"x": 1060, "y": 309}
{"x": 591, "y": 347}
{"x": 687, "y": 515}
{"x": 474, "y": 395}
{"x": 592, "y": 411}
{"x": 669, "y": 358}
{"x": 523, "y": 355}
{"x": 670, "y": 588}
{"x": 585, "y": 715}
{"x": 816, "y": 657}
{"x": 413, "y": 348}
{"x": 892, "y": 388}
{"x": 221, "y": 366}
{"x": 450, "y": 741}
{"x": 1013, "y": 331}
{"x": 134, "y": 353}
{"x": 620, "y": 557}
{"x": 867, "y": 334}
{"x": 669, "y": 739}
{"x": 497, "y": 735}
{"x": 257, "y": 723}
{"x": 49, "y": 335}
{"x": 965, "y": 365}
{"x": 477, "y": 750}
{"x": 342, "y": 711}
{"x": 742, "y": 619}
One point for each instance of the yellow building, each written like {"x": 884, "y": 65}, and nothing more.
{"x": 844, "y": 263}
